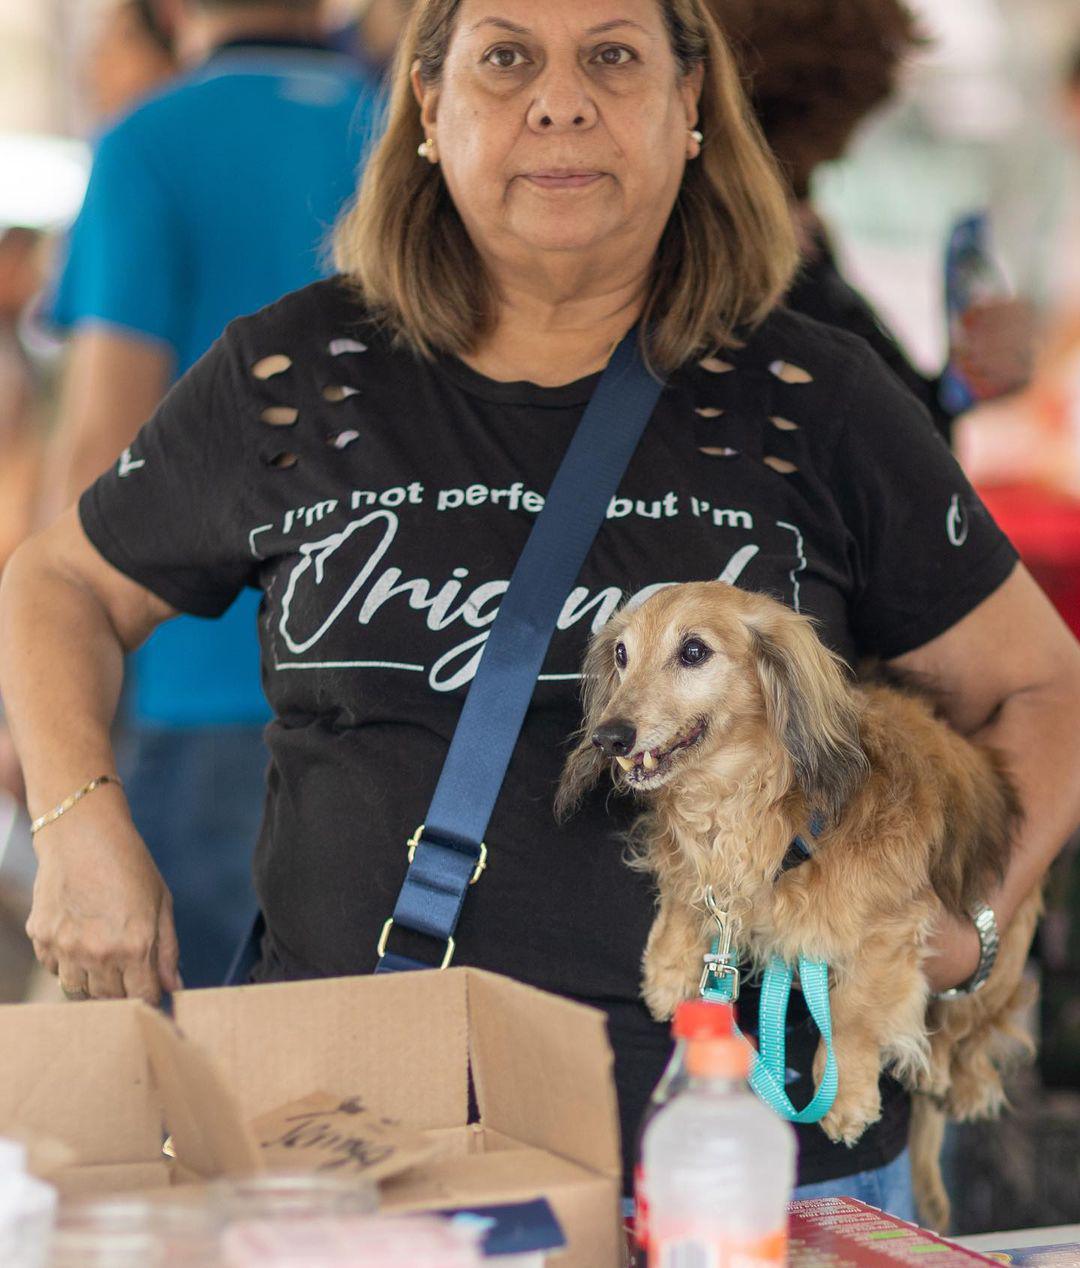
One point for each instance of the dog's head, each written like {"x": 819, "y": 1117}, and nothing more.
{"x": 706, "y": 678}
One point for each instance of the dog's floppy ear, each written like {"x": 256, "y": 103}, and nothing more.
{"x": 586, "y": 763}
{"x": 811, "y": 708}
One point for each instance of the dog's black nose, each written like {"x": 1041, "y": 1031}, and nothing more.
{"x": 615, "y": 738}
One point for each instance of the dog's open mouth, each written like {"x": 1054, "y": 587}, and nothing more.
{"x": 651, "y": 766}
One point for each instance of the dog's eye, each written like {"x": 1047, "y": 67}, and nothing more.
{"x": 620, "y": 655}
{"x": 693, "y": 652}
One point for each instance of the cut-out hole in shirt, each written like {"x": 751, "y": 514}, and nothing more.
{"x": 339, "y": 392}
{"x": 718, "y": 451}
{"x": 788, "y": 373}
{"x": 343, "y": 439}
{"x": 781, "y": 465}
{"x": 282, "y": 461}
{"x": 280, "y": 415}
{"x": 269, "y": 366}
{"x": 715, "y": 366}
{"x": 708, "y": 412}
{"x": 783, "y": 424}
{"x": 338, "y": 347}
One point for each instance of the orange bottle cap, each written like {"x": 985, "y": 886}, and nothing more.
{"x": 698, "y": 1019}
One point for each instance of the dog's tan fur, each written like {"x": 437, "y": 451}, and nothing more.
{"x": 916, "y": 818}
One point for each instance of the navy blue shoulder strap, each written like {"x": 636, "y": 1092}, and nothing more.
{"x": 447, "y": 853}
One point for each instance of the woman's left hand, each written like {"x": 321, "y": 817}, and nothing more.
{"x": 1008, "y": 677}
{"x": 954, "y": 952}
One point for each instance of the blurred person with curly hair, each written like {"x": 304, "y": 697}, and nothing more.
{"x": 815, "y": 70}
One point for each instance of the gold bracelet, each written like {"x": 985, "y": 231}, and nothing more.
{"x": 52, "y": 815}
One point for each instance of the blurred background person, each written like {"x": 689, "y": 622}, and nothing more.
{"x": 22, "y": 262}
{"x": 208, "y": 201}
{"x": 127, "y": 56}
{"x": 815, "y": 71}
{"x": 1035, "y": 438}
{"x": 131, "y": 55}
{"x": 372, "y": 35}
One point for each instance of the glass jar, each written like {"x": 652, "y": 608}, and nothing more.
{"x": 354, "y": 1241}
{"x": 180, "y": 1232}
{"x": 293, "y": 1196}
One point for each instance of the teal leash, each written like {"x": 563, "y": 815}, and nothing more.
{"x": 720, "y": 983}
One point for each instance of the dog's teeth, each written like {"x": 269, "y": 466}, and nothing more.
{"x": 625, "y": 763}
{"x": 648, "y": 761}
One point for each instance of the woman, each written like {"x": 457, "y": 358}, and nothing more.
{"x": 371, "y": 452}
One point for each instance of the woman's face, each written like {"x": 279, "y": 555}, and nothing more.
{"x": 562, "y": 125}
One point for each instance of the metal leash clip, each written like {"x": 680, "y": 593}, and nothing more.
{"x": 718, "y": 960}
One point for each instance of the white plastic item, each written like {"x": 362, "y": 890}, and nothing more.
{"x": 719, "y": 1166}
{"x": 27, "y": 1211}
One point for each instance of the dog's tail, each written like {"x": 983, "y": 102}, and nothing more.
{"x": 927, "y": 1135}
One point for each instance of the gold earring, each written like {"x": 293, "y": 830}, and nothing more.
{"x": 426, "y": 150}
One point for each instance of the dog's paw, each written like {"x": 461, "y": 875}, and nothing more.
{"x": 857, "y": 1104}
{"x": 663, "y": 992}
{"x": 851, "y": 1116}
{"x": 975, "y": 1094}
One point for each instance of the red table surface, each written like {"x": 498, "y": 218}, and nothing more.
{"x": 1044, "y": 526}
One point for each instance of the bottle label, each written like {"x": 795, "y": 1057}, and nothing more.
{"x": 700, "y": 1250}
{"x": 641, "y": 1208}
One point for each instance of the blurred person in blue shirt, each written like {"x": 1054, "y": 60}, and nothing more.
{"x": 210, "y": 200}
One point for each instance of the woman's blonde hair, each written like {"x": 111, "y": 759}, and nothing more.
{"x": 725, "y": 259}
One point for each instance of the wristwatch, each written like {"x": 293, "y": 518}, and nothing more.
{"x": 989, "y": 940}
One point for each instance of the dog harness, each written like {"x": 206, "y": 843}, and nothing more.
{"x": 720, "y": 981}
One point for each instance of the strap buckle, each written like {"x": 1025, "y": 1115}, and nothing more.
{"x": 451, "y": 946}
{"x": 718, "y": 964}
{"x": 481, "y": 862}
{"x": 716, "y": 967}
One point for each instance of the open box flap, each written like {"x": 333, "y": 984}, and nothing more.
{"x": 543, "y": 1069}
{"x": 79, "y": 1074}
{"x": 209, "y": 1134}
{"x": 400, "y": 1041}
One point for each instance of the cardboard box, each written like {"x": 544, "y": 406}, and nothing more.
{"x": 106, "y": 1079}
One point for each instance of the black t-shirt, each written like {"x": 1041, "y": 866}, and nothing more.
{"x": 382, "y": 526}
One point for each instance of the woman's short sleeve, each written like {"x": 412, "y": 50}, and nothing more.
{"x": 925, "y": 550}
{"x": 169, "y": 513}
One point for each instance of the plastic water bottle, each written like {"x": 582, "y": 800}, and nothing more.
{"x": 27, "y": 1211}
{"x": 719, "y": 1166}
{"x": 672, "y": 1082}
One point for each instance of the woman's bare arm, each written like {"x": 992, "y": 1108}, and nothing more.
{"x": 1010, "y": 673}
{"x": 101, "y": 915}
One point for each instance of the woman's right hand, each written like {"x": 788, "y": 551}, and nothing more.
{"x": 102, "y": 917}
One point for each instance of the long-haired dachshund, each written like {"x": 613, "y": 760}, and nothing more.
{"x": 739, "y": 729}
